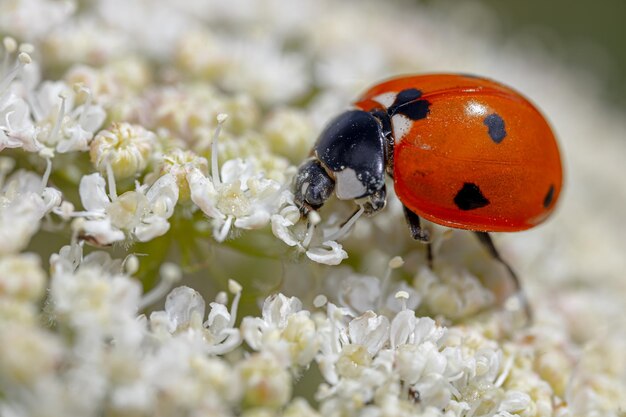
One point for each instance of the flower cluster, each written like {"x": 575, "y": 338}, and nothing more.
{"x": 146, "y": 149}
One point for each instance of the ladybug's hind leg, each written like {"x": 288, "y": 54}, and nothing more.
{"x": 417, "y": 233}
{"x": 487, "y": 243}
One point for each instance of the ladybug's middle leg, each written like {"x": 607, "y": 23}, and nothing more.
{"x": 417, "y": 233}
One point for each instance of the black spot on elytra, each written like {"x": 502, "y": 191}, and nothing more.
{"x": 408, "y": 104}
{"x": 547, "y": 200}
{"x": 470, "y": 197}
{"x": 495, "y": 124}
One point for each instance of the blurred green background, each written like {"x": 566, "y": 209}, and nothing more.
{"x": 590, "y": 35}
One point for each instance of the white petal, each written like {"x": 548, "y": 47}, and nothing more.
{"x": 280, "y": 229}
{"x": 164, "y": 195}
{"x": 203, "y": 193}
{"x": 75, "y": 139}
{"x": 18, "y": 223}
{"x": 333, "y": 255}
{"x": 182, "y": 303}
{"x": 256, "y": 220}
{"x": 277, "y": 309}
{"x": 515, "y": 401}
{"x": 252, "y": 331}
{"x": 359, "y": 292}
{"x": 93, "y": 119}
{"x": 47, "y": 96}
{"x": 219, "y": 318}
{"x": 8, "y": 141}
{"x": 51, "y": 198}
{"x": 102, "y": 231}
{"x": 21, "y": 183}
{"x": 236, "y": 169}
{"x": 402, "y": 327}
{"x": 151, "y": 227}
{"x": 369, "y": 330}
{"x": 93, "y": 194}
{"x": 15, "y": 114}
{"x": 67, "y": 260}
{"x": 427, "y": 330}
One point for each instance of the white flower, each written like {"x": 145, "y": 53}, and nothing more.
{"x": 124, "y": 147}
{"x": 124, "y": 17}
{"x": 454, "y": 293}
{"x": 408, "y": 329}
{"x": 96, "y": 296}
{"x": 142, "y": 213}
{"x": 299, "y": 407}
{"x": 21, "y": 277}
{"x": 176, "y": 162}
{"x": 287, "y": 227}
{"x": 85, "y": 40}
{"x": 333, "y": 334}
{"x": 375, "y": 362}
{"x": 283, "y": 330}
{"x": 361, "y": 293}
{"x": 277, "y": 76}
{"x": 265, "y": 381}
{"x": 242, "y": 198}
{"x": 17, "y": 130}
{"x": 184, "y": 307}
{"x": 184, "y": 315}
{"x": 515, "y": 402}
{"x": 28, "y": 354}
{"x": 278, "y": 308}
{"x": 61, "y": 123}
{"x": 369, "y": 330}
{"x": 24, "y": 201}
{"x": 289, "y": 133}
{"x": 32, "y": 19}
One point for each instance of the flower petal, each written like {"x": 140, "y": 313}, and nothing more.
{"x": 92, "y": 192}
{"x": 332, "y": 255}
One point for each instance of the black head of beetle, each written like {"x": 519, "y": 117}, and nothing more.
{"x": 350, "y": 157}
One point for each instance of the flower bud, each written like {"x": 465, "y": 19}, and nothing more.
{"x": 126, "y": 147}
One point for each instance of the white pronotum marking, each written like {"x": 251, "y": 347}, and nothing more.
{"x": 386, "y": 99}
{"x": 348, "y": 186}
{"x": 401, "y": 126}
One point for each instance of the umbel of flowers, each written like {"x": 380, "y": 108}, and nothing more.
{"x": 146, "y": 149}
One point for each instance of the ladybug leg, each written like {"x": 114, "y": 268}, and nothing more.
{"x": 413, "y": 220}
{"x": 487, "y": 243}
{"x": 417, "y": 233}
{"x": 374, "y": 202}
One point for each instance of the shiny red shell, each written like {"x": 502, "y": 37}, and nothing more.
{"x": 481, "y": 158}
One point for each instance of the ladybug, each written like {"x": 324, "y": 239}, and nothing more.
{"x": 463, "y": 151}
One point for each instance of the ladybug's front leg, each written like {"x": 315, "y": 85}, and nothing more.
{"x": 417, "y": 233}
{"x": 373, "y": 202}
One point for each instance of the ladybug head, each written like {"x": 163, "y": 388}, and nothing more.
{"x": 348, "y": 158}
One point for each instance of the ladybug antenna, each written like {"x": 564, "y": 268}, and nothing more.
{"x": 347, "y": 226}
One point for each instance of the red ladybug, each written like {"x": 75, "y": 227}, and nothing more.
{"x": 463, "y": 151}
